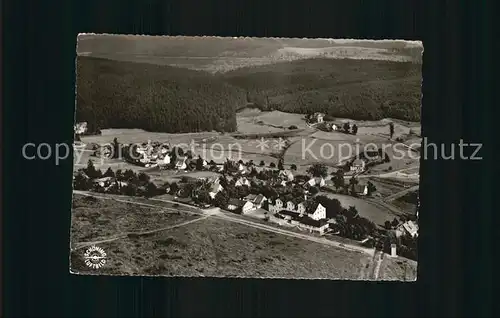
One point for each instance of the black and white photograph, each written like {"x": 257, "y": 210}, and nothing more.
{"x": 246, "y": 157}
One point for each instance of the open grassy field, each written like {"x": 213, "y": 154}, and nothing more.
{"x": 372, "y": 212}
{"x": 214, "y": 247}
{"x": 398, "y": 269}
{"x": 94, "y": 218}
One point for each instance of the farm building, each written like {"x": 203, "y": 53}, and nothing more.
{"x": 240, "y": 206}
{"x": 409, "y": 227}
{"x": 358, "y": 165}
{"x": 304, "y": 222}
{"x": 360, "y": 189}
{"x": 257, "y": 200}
{"x": 316, "y": 182}
{"x": 317, "y": 211}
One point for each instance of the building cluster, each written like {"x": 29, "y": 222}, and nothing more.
{"x": 303, "y": 213}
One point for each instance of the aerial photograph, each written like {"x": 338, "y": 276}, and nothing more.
{"x": 245, "y": 157}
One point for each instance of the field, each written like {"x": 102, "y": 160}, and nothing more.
{"x": 94, "y": 218}
{"x": 214, "y": 54}
{"x": 187, "y": 245}
{"x": 374, "y": 213}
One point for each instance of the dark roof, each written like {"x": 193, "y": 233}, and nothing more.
{"x": 359, "y": 188}
{"x": 237, "y": 202}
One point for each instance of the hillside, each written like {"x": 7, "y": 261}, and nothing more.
{"x": 357, "y": 89}
{"x": 115, "y": 94}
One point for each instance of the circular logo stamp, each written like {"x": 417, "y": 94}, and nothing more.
{"x": 95, "y": 257}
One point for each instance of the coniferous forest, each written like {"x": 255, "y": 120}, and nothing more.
{"x": 115, "y": 94}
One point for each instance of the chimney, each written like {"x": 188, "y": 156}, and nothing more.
{"x": 393, "y": 250}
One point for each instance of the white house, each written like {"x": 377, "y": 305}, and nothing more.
{"x": 318, "y": 212}
{"x": 358, "y": 165}
{"x": 80, "y": 128}
{"x": 241, "y": 182}
{"x": 361, "y": 189}
{"x": 319, "y": 117}
{"x": 286, "y": 174}
{"x": 335, "y": 127}
{"x": 240, "y": 206}
{"x": 181, "y": 163}
{"x": 216, "y": 188}
{"x": 317, "y": 182}
{"x": 166, "y": 160}
{"x": 257, "y": 200}
{"x": 290, "y": 206}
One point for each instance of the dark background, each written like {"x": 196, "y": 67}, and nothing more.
{"x": 455, "y": 249}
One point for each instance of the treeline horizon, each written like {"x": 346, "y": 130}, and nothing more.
{"x": 117, "y": 94}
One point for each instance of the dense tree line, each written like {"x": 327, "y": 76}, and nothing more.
{"x": 358, "y": 89}
{"x": 114, "y": 94}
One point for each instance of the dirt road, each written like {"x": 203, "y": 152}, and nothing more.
{"x": 401, "y": 193}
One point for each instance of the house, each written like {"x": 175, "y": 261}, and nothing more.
{"x": 216, "y": 188}
{"x": 361, "y": 189}
{"x": 335, "y": 127}
{"x": 276, "y": 206}
{"x": 316, "y": 182}
{"x": 286, "y": 174}
{"x": 241, "y": 182}
{"x": 358, "y": 165}
{"x": 317, "y": 212}
{"x": 166, "y": 160}
{"x": 409, "y": 227}
{"x": 305, "y": 222}
{"x": 257, "y": 200}
{"x": 319, "y": 117}
{"x": 80, "y": 128}
{"x": 181, "y": 163}
{"x": 241, "y": 168}
{"x": 240, "y": 206}
{"x": 290, "y": 206}
{"x": 103, "y": 182}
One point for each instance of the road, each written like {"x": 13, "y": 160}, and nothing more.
{"x": 216, "y": 213}
{"x": 401, "y": 193}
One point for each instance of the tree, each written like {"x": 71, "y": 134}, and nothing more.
{"x": 352, "y": 183}
{"x": 318, "y": 170}
{"x": 90, "y": 171}
{"x": 293, "y": 167}
{"x": 119, "y": 175}
{"x": 354, "y": 129}
{"x": 280, "y": 164}
{"x": 250, "y": 163}
{"x": 151, "y": 190}
{"x": 338, "y": 179}
{"x": 387, "y": 225}
{"x": 189, "y": 154}
{"x": 221, "y": 199}
{"x": 130, "y": 189}
{"x": 395, "y": 222}
{"x": 143, "y": 178}
{"x": 262, "y": 163}
{"x": 313, "y": 190}
{"x": 346, "y": 127}
{"x": 391, "y": 130}
{"x": 81, "y": 182}
{"x": 109, "y": 173}
{"x": 199, "y": 163}
{"x": 371, "y": 188}
{"x": 272, "y": 165}
{"x": 212, "y": 163}
{"x": 174, "y": 188}
{"x": 130, "y": 176}
{"x": 116, "y": 148}
{"x": 351, "y": 212}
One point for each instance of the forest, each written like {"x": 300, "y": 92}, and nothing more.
{"x": 357, "y": 89}
{"x": 115, "y": 94}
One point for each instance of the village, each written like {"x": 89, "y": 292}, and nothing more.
{"x": 266, "y": 191}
